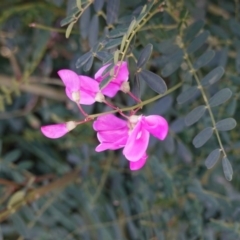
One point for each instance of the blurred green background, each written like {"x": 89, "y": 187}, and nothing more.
{"x": 63, "y": 189}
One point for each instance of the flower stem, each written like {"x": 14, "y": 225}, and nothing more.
{"x": 134, "y": 97}
{"x": 81, "y": 110}
{"x": 116, "y": 108}
{"x": 139, "y": 105}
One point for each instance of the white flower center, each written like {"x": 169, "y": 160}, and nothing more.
{"x": 70, "y": 125}
{"x": 76, "y": 96}
{"x": 99, "y": 97}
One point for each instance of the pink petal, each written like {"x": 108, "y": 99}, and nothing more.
{"x": 98, "y": 75}
{"x": 109, "y": 122}
{"x": 156, "y": 125}
{"x": 89, "y": 84}
{"x": 54, "y": 131}
{"x": 119, "y": 136}
{"x": 111, "y": 89}
{"x": 70, "y": 79}
{"x": 138, "y": 164}
{"x": 107, "y": 146}
{"x": 137, "y": 143}
{"x": 123, "y": 73}
{"x": 86, "y": 97}
{"x": 114, "y": 86}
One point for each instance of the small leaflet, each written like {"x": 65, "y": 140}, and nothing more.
{"x": 202, "y": 137}
{"x": 195, "y": 115}
{"x": 226, "y": 124}
{"x": 212, "y": 158}
{"x": 220, "y": 97}
{"x": 227, "y": 169}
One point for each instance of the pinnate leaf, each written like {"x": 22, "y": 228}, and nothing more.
{"x": 227, "y": 169}
{"x": 226, "y": 124}
{"x": 204, "y": 59}
{"x": 112, "y": 10}
{"x": 195, "y": 115}
{"x": 187, "y": 94}
{"x": 198, "y": 42}
{"x": 202, "y": 137}
{"x": 192, "y": 30}
{"x": 212, "y": 158}
{"x": 144, "y": 55}
{"x": 213, "y": 76}
{"x": 154, "y": 81}
{"x": 83, "y": 59}
{"x": 220, "y": 97}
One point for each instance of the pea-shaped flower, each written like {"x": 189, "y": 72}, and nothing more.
{"x": 132, "y": 135}
{"x": 119, "y": 81}
{"x": 80, "y": 89}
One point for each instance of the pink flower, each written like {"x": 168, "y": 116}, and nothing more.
{"x": 58, "y": 130}
{"x": 81, "y": 89}
{"x": 117, "y": 83}
{"x": 132, "y": 135}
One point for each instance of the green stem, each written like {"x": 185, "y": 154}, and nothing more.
{"x": 139, "y": 105}
{"x": 200, "y": 87}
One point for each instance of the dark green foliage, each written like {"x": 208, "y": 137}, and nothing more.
{"x": 63, "y": 188}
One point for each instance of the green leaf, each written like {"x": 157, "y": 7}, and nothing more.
{"x": 84, "y": 23}
{"x": 202, "y": 137}
{"x": 227, "y": 169}
{"x": 198, "y": 42}
{"x": 105, "y": 82}
{"x": 117, "y": 32}
{"x": 192, "y": 30}
{"x": 66, "y": 21}
{"x": 20, "y": 225}
{"x": 220, "y": 97}
{"x": 234, "y": 26}
{"x": 103, "y": 55}
{"x": 93, "y": 30}
{"x": 195, "y": 115}
{"x": 219, "y": 31}
{"x": 173, "y": 64}
{"x": 187, "y": 94}
{"x": 112, "y": 43}
{"x": 213, "y": 76}
{"x": 83, "y": 59}
{"x": 98, "y": 5}
{"x": 204, "y": 59}
{"x": 184, "y": 152}
{"x": 212, "y": 158}
{"x": 112, "y": 11}
{"x": 226, "y": 124}
{"x": 154, "y": 81}
{"x": 79, "y": 4}
{"x": 12, "y": 156}
{"x": 238, "y": 61}
{"x": 88, "y": 64}
{"x": 144, "y": 55}
{"x": 167, "y": 47}
{"x": 69, "y": 29}
{"x": 131, "y": 26}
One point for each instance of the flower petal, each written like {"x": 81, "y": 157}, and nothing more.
{"x": 117, "y": 136}
{"x": 138, "y": 164}
{"x": 98, "y": 75}
{"x": 137, "y": 143}
{"x": 89, "y": 84}
{"x": 111, "y": 89}
{"x": 114, "y": 86}
{"x": 156, "y": 125}
{"x": 123, "y": 73}
{"x": 107, "y": 146}
{"x": 70, "y": 79}
{"x": 55, "y": 130}
{"x": 109, "y": 122}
